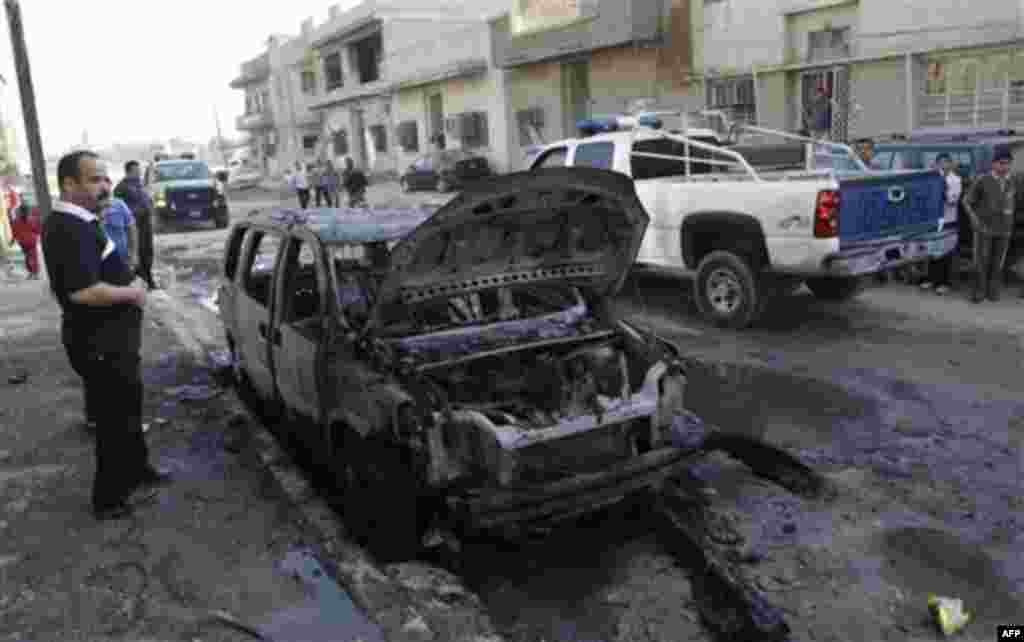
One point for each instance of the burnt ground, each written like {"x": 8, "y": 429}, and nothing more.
{"x": 910, "y": 403}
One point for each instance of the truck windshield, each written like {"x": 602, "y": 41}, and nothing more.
{"x": 182, "y": 171}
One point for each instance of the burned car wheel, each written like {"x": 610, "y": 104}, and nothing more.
{"x": 381, "y": 499}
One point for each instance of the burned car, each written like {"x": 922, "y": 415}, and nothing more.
{"x": 461, "y": 370}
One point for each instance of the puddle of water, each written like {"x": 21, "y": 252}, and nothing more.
{"x": 329, "y": 615}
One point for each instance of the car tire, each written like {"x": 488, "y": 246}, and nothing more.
{"x": 835, "y": 288}
{"x": 404, "y": 184}
{"x": 443, "y": 185}
{"x": 727, "y": 290}
{"x": 381, "y": 501}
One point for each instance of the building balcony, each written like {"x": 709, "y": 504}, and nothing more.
{"x": 306, "y": 118}
{"x": 255, "y": 121}
{"x": 254, "y": 71}
{"x": 350, "y": 92}
{"x": 522, "y": 37}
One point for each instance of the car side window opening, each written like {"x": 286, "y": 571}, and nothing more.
{"x": 553, "y": 158}
{"x": 259, "y": 272}
{"x": 599, "y": 155}
{"x": 645, "y": 167}
{"x": 883, "y": 159}
{"x": 358, "y": 271}
{"x": 302, "y": 305}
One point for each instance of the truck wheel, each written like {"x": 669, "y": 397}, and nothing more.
{"x": 835, "y": 288}
{"x": 727, "y": 291}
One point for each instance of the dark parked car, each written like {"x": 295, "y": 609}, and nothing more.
{"x": 972, "y": 151}
{"x": 444, "y": 171}
{"x": 185, "y": 192}
{"x": 461, "y": 370}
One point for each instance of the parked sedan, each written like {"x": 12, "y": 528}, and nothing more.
{"x": 444, "y": 171}
{"x": 462, "y": 370}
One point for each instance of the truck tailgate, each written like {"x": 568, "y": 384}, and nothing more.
{"x": 879, "y": 207}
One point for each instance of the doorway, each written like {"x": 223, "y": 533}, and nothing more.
{"x": 575, "y": 94}
{"x": 836, "y": 84}
{"x": 435, "y": 116}
{"x": 359, "y": 140}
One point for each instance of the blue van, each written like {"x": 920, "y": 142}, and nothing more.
{"x": 972, "y": 150}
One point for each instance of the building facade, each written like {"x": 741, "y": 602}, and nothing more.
{"x": 566, "y": 61}
{"x": 886, "y": 66}
{"x": 257, "y": 119}
{"x": 386, "y": 70}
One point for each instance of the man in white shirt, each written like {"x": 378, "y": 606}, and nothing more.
{"x": 940, "y": 270}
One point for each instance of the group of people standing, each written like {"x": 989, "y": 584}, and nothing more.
{"x": 323, "y": 182}
{"x": 991, "y": 202}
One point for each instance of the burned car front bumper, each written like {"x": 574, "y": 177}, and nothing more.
{"x": 491, "y": 509}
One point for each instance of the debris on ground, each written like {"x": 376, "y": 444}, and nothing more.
{"x": 949, "y": 614}
{"x": 194, "y": 392}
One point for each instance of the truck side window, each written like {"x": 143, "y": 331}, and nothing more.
{"x": 883, "y": 160}
{"x": 599, "y": 155}
{"x": 552, "y": 158}
{"x": 259, "y": 274}
{"x": 645, "y": 168}
{"x": 234, "y": 251}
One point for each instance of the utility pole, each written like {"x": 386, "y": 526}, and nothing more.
{"x": 28, "y": 107}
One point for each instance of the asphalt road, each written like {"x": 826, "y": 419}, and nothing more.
{"x": 909, "y": 402}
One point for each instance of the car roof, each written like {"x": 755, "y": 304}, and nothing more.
{"x": 345, "y": 226}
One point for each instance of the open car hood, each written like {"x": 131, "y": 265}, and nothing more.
{"x": 576, "y": 225}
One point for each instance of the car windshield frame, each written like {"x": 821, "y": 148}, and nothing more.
{"x": 183, "y": 171}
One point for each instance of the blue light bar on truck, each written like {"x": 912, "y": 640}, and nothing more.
{"x": 604, "y": 124}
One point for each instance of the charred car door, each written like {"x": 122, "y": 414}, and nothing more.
{"x": 253, "y": 307}
{"x": 299, "y": 325}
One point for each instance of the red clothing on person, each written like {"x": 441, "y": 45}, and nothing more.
{"x": 26, "y": 231}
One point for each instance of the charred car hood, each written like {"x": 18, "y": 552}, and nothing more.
{"x": 577, "y": 225}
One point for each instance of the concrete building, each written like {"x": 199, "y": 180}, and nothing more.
{"x": 366, "y": 56}
{"x": 257, "y": 120}
{"x": 566, "y": 61}
{"x": 890, "y": 66}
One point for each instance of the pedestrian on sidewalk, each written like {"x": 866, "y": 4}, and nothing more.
{"x": 26, "y": 230}
{"x": 119, "y": 224}
{"x": 131, "y": 191}
{"x": 940, "y": 270}
{"x": 102, "y": 333}
{"x": 990, "y": 203}
{"x": 331, "y": 180}
{"x": 316, "y": 178}
{"x": 299, "y": 182}
{"x": 355, "y": 183}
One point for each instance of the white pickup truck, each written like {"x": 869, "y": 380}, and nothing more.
{"x": 750, "y": 235}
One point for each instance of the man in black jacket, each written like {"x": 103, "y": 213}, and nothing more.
{"x": 102, "y": 333}
{"x": 355, "y": 183}
{"x": 131, "y": 191}
{"x": 991, "y": 205}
